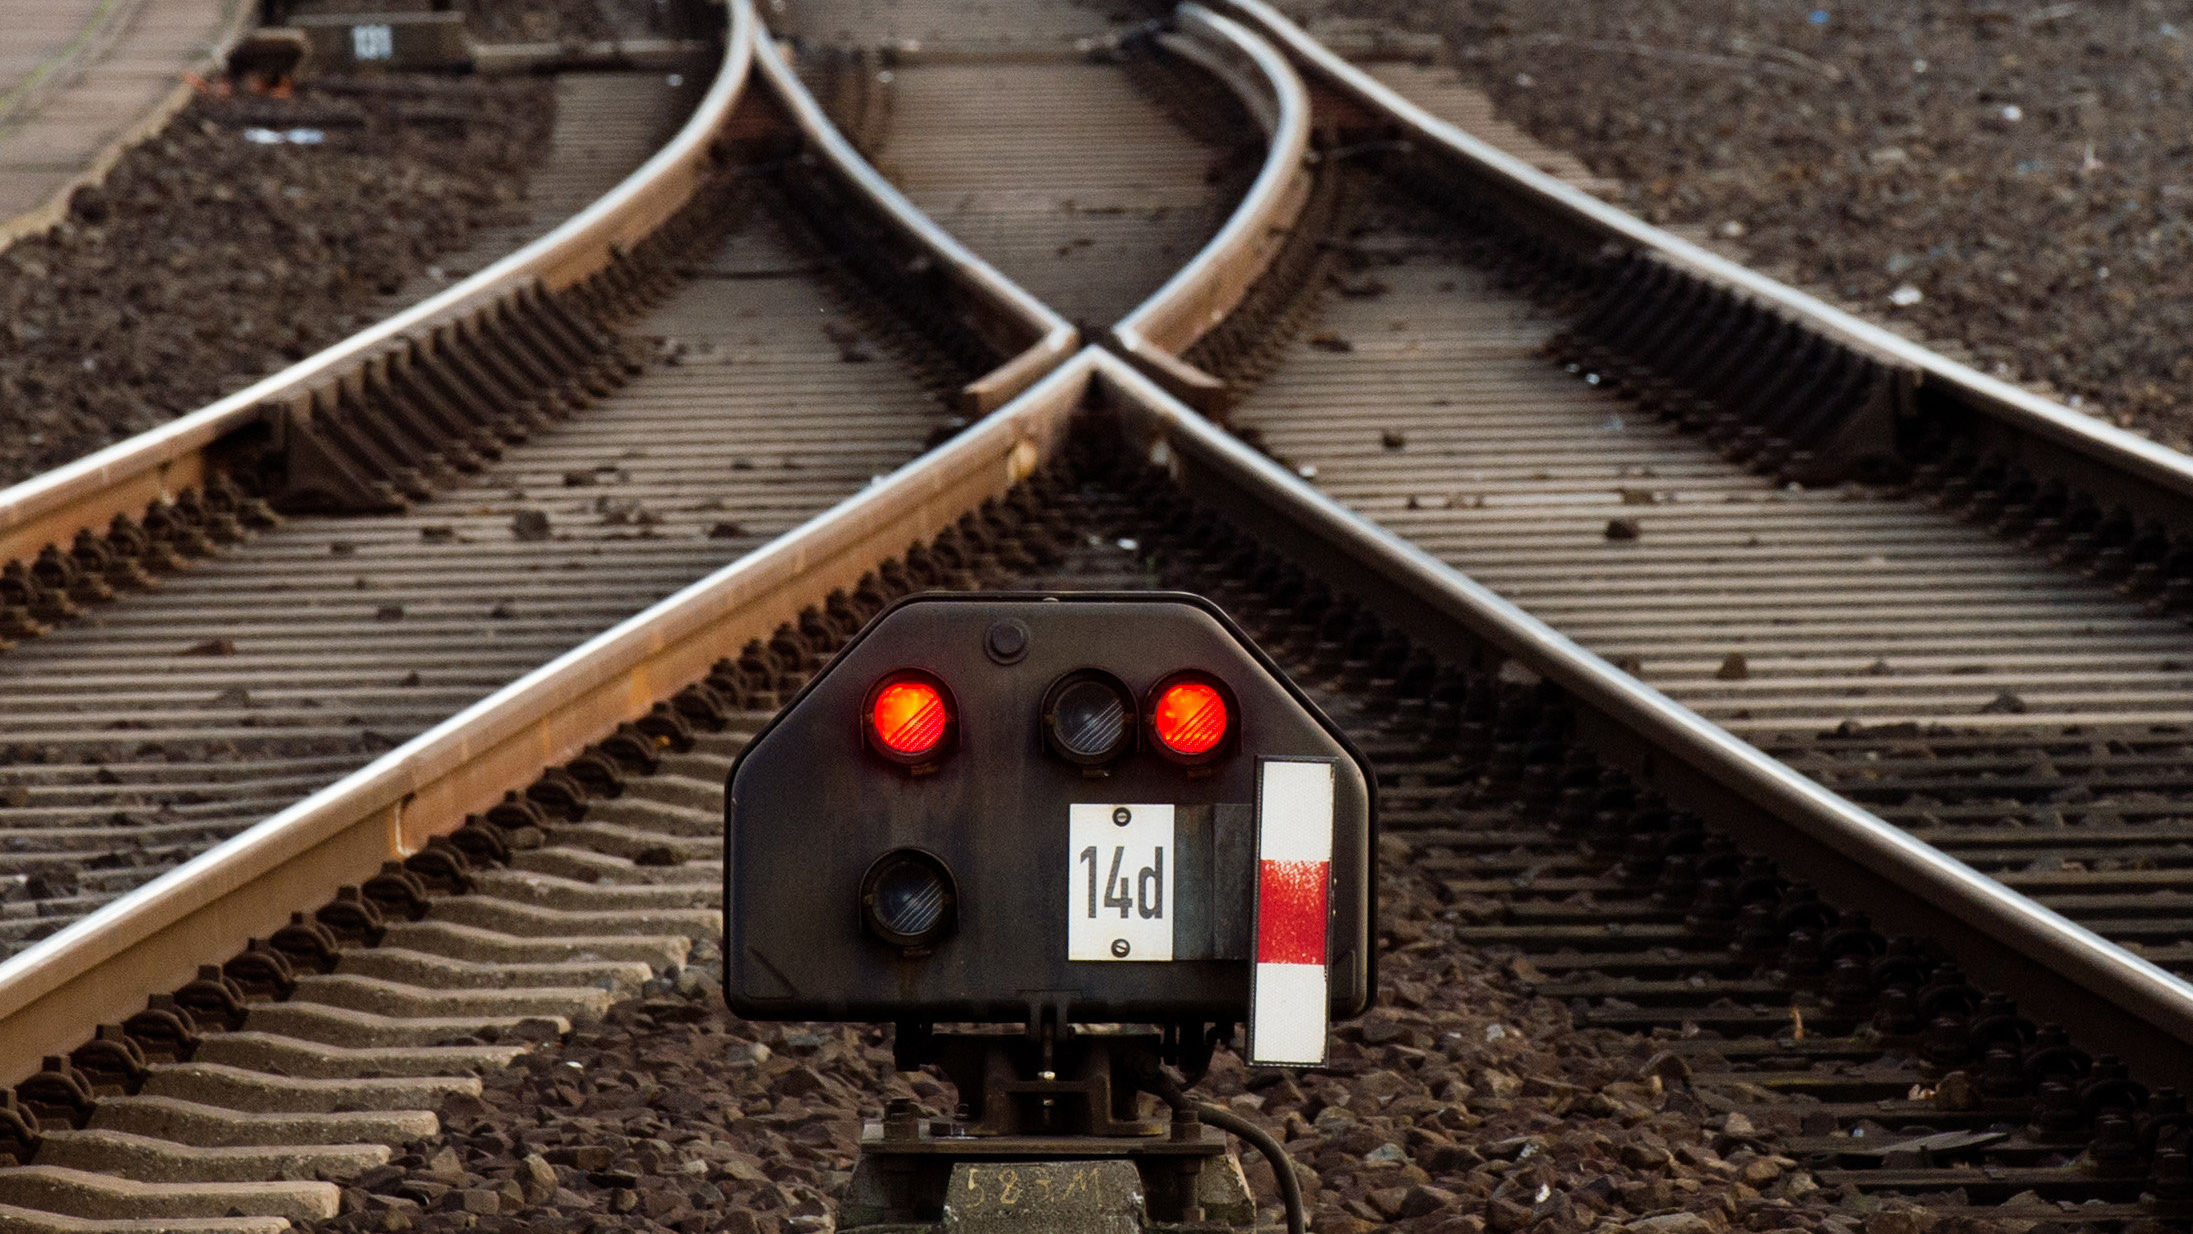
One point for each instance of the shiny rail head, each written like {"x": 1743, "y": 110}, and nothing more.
{"x": 1083, "y": 807}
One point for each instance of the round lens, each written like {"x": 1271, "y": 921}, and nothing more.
{"x": 1190, "y": 717}
{"x": 907, "y": 898}
{"x": 1090, "y": 718}
{"x": 909, "y": 717}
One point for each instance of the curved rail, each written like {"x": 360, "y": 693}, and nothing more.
{"x": 2054, "y": 962}
{"x": 1201, "y": 293}
{"x": 102, "y": 967}
{"x": 126, "y": 476}
{"x": 1998, "y": 933}
{"x": 2162, "y": 477}
{"x": 994, "y": 303}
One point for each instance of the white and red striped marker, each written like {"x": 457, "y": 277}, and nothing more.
{"x": 1289, "y": 1008}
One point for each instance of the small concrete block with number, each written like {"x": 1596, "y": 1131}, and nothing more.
{"x": 1055, "y": 1197}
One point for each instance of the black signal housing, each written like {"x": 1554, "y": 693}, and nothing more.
{"x": 812, "y": 815}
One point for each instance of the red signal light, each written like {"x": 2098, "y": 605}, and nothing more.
{"x": 1191, "y": 717}
{"x": 909, "y": 717}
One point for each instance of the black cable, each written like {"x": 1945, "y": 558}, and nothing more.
{"x": 1166, "y": 1085}
{"x": 1275, "y": 1155}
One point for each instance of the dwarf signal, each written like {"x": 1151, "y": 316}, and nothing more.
{"x": 1135, "y": 818}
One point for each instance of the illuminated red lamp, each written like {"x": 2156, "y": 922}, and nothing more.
{"x": 1191, "y": 718}
{"x": 910, "y": 718}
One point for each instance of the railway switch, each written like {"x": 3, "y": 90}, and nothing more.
{"x": 1066, "y": 844}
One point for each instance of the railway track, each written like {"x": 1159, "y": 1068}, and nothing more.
{"x": 1969, "y": 637}
{"x": 1076, "y": 156}
{"x": 157, "y": 803}
{"x": 1818, "y": 986}
{"x": 358, "y": 1045}
{"x": 164, "y": 723}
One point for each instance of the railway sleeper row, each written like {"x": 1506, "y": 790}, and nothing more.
{"x": 1787, "y": 401}
{"x": 401, "y": 422}
{"x": 2086, "y": 817}
{"x": 1779, "y": 396}
{"x": 60, "y": 584}
{"x": 382, "y": 433}
{"x": 1643, "y": 919}
{"x": 1676, "y": 345}
{"x": 1870, "y": 1064}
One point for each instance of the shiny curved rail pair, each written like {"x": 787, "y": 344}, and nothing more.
{"x": 2154, "y": 479}
{"x": 1200, "y": 295}
{"x": 104, "y": 966}
{"x": 992, "y": 295}
{"x": 2059, "y": 968}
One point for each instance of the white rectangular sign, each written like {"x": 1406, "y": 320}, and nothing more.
{"x": 1119, "y": 897}
{"x": 1288, "y": 1009}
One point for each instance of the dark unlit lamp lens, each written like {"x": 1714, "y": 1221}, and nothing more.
{"x": 1090, "y": 719}
{"x": 907, "y": 898}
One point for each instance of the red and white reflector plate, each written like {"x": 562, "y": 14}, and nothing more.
{"x": 1289, "y": 1007}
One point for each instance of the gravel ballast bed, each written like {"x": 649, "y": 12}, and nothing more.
{"x": 2024, "y": 171}
{"x": 226, "y": 248}
{"x": 1460, "y": 1104}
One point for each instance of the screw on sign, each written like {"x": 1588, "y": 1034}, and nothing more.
{"x": 996, "y": 820}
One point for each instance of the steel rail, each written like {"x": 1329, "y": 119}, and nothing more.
{"x": 2055, "y": 965}
{"x": 1201, "y": 293}
{"x": 2155, "y": 480}
{"x": 991, "y": 295}
{"x": 2059, "y": 969}
{"x": 102, "y": 967}
{"x": 125, "y": 477}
